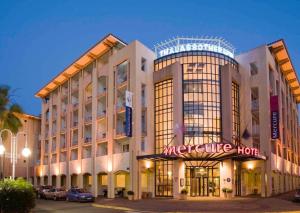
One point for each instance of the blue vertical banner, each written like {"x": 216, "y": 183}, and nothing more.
{"x": 128, "y": 113}
{"x": 128, "y": 127}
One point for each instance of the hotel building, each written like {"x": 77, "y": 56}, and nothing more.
{"x": 188, "y": 115}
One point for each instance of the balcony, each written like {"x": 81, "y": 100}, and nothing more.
{"x": 53, "y": 148}
{"x": 47, "y": 134}
{"x": 75, "y": 124}
{"x": 63, "y": 112}
{"x": 102, "y": 85}
{"x": 63, "y": 145}
{"x": 101, "y": 136}
{"x": 75, "y": 106}
{"x": 254, "y": 105}
{"x": 64, "y": 95}
{"x": 74, "y": 142}
{"x": 75, "y": 87}
{"x": 88, "y": 100}
{"x": 255, "y": 130}
{"x": 121, "y": 131}
{"x": 88, "y": 118}
{"x": 88, "y": 139}
{"x": 101, "y": 114}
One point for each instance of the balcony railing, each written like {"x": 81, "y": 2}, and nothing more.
{"x": 88, "y": 99}
{"x": 101, "y": 113}
{"x": 101, "y": 90}
{"x": 75, "y": 123}
{"x": 87, "y": 139}
{"x": 63, "y": 145}
{"x": 254, "y": 105}
{"x": 121, "y": 78}
{"x": 255, "y": 130}
{"x": 74, "y": 142}
{"x": 75, "y": 105}
{"x": 121, "y": 105}
{"x": 101, "y": 136}
{"x": 88, "y": 118}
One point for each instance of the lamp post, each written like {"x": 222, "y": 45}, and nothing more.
{"x": 14, "y": 149}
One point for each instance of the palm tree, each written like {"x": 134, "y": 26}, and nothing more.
{"x": 9, "y": 110}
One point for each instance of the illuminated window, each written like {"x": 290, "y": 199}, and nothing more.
{"x": 235, "y": 95}
{"x": 163, "y": 114}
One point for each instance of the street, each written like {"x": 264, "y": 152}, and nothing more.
{"x": 282, "y": 203}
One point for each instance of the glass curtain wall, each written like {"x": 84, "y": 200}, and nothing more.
{"x": 163, "y": 136}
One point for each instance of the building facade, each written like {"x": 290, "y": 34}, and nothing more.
{"x": 30, "y": 130}
{"x": 189, "y": 115}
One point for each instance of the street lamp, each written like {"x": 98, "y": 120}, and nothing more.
{"x": 13, "y": 146}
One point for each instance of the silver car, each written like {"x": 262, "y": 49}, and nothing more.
{"x": 56, "y": 194}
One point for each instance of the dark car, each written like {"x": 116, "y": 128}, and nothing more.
{"x": 41, "y": 191}
{"x": 79, "y": 195}
{"x": 297, "y": 195}
{"x": 56, "y": 194}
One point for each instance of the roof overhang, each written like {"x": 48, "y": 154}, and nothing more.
{"x": 279, "y": 49}
{"x": 94, "y": 52}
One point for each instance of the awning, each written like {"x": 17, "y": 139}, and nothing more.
{"x": 205, "y": 157}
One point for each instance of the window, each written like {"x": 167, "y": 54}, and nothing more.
{"x": 102, "y": 149}
{"x": 143, "y": 95}
{"x": 125, "y": 148}
{"x": 201, "y": 100}
{"x": 235, "y": 93}
{"x": 163, "y": 178}
{"x": 143, "y": 145}
{"x": 143, "y": 64}
{"x": 253, "y": 68}
{"x": 163, "y": 114}
{"x": 53, "y": 159}
{"x": 122, "y": 70}
{"x": 62, "y": 157}
{"x": 144, "y": 122}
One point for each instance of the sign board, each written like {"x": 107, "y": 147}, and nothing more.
{"x": 210, "y": 148}
{"x": 128, "y": 113}
{"x": 177, "y": 45}
{"x": 274, "y": 108}
{"x": 128, "y": 99}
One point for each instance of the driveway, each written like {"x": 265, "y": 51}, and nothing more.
{"x": 282, "y": 203}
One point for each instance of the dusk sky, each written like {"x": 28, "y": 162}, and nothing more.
{"x": 38, "y": 39}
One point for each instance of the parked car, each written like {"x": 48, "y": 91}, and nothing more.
{"x": 80, "y": 195}
{"x": 297, "y": 195}
{"x": 56, "y": 194}
{"x": 41, "y": 191}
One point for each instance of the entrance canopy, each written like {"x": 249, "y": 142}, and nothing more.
{"x": 214, "y": 152}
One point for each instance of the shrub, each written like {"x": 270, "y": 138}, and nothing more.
{"x": 184, "y": 192}
{"x": 229, "y": 190}
{"x": 224, "y": 190}
{"x": 16, "y": 196}
{"x": 130, "y": 193}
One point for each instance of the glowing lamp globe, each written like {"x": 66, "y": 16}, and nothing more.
{"x": 2, "y": 149}
{"x": 26, "y": 152}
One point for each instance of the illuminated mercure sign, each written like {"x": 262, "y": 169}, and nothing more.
{"x": 210, "y": 148}
{"x": 194, "y": 44}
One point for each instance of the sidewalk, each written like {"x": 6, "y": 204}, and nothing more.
{"x": 245, "y": 204}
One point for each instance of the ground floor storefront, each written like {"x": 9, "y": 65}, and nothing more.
{"x": 281, "y": 203}
{"x": 209, "y": 178}
{"x": 169, "y": 177}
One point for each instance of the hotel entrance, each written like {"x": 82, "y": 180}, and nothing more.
{"x": 202, "y": 181}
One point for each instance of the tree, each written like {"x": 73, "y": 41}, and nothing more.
{"x": 9, "y": 110}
